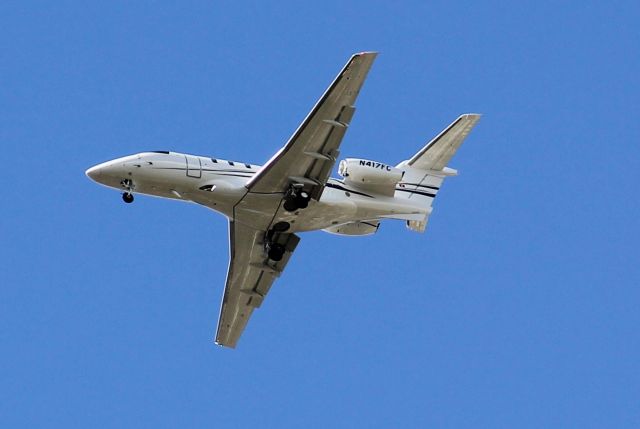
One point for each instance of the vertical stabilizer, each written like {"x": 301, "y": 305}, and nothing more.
{"x": 427, "y": 169}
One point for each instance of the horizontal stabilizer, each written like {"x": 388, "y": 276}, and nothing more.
{"x": 415, "y": 217}
{"x": 417, "y": 225}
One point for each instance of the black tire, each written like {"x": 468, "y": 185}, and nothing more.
{"x": 302, "y": 202}
{"x": 281, "y": 226}
{"x": 290, "y": 205}
{"x": 127, "y": 198}
{"x": 276, "y": 252}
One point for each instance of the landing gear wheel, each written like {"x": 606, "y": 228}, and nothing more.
{"x": 127, "y": 197}
{"x": 281, "y": 226}
{"x": 275, "y": 251}
{"x": 290, "y": 205}
{"x": 296, "y": 199}
{"x": 302, "y": 200}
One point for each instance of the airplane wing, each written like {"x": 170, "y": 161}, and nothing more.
{"x": 437, "y": 153}
{"x": 307, "y": 159}
{"x": 249, "y": 278}
{"x": 309, "y": 155}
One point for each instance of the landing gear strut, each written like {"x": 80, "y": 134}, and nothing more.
{"x": 296, "y": 198}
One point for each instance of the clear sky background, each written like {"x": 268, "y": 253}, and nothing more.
{"x": 517, "y": 308}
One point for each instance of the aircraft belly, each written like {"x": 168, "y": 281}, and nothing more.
{"x": 338, "y": 209}
{"x": 174, "y": 184}
{"x": 320, "y": 215}
{"x": 334, "y": 208}
{"x": 258, "y": 210}
{"x": 262, "y": 211}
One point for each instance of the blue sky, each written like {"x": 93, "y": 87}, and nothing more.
{"x": 517, "y": 308}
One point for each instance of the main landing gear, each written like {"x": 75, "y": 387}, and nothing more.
{"x": 296, "y": 198}
{"x": 275, "y": 251}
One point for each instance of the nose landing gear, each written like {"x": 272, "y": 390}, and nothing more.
{"x": 127, "y": 197}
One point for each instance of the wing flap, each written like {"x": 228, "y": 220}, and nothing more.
{"x": 306, "y": 159}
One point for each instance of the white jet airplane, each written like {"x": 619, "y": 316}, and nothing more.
{"x": 267, "y": 205}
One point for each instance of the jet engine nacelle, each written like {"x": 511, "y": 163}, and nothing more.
{"x": 362, "y": 171}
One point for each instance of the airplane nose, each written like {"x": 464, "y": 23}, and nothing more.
{"x": 93, "y": 173}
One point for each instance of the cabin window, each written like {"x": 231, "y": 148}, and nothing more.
{"x": 248, "y": 165}
{"x": 214, "y": 160}
{"x": 230, "y": 162}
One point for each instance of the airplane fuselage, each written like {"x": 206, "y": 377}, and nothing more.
{"x": 293, "y": 192}
{"x": 221, "y": 186}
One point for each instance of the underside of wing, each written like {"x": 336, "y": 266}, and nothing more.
{"x": 308, "y": 157}
{"x": 249, "y": 278}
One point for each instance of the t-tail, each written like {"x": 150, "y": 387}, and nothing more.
{"x": 427, "y": 169}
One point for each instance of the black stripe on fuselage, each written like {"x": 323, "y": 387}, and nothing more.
{"x": 230, "y": 171}
{"x": 435, "y": 188}
{"x": 244, "y": 173}
{"x": 235, "y": 175}
{"x": 413, "y": 191}
{"x": 342, "y": 188}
